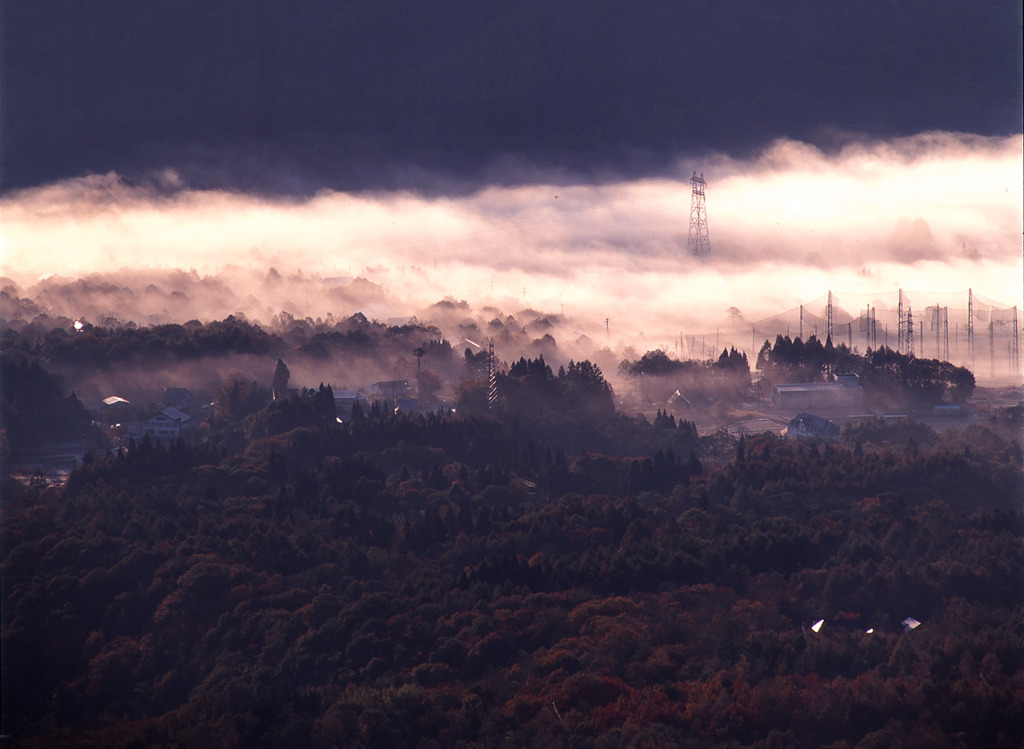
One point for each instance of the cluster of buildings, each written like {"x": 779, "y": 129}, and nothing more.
{"x": 178, "y": 411}
{"x": 845, "y": 395}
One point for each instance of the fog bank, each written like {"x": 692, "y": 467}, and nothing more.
{"x": 937, "y": 213}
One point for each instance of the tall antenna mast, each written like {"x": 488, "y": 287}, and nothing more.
{"x": 699, "y": 242}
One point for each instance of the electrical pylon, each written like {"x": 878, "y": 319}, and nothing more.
{"x": 945, "y": 333}
{"x": 970, "y": 325}
{"x": 1015, "y": 346}
{"x": 699, "y": 242}
{"x": 492, "y": 376}
{"x": 828, "y": 330}
{"x": 899, "y": 324}
{"x": 910, "y": 330}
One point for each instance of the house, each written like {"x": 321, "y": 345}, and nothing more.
{"x": 166, "y": 425}
{"x": 845, "y": 392}
{"x": 115, "y": 408}
{"x": 678, "y": 400}
{"x": 179, "y": 398}
{"x": 407, "y": 406}
{"x": 392, "y": 389}
{"x": 809, "y": 425}
{"x": 345, "y": 401}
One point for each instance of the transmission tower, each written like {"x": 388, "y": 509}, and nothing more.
{"x": 910, "y": 330}
{"x": 492, "y": 376}
{"x": 828, "y": 330}
{"x": 699, "y": 242}
{"x": 970, "y": 325}
{"x": 945, "y": 333}
{"x": 991, "y": 347}
{"x": 1015, "y": 346}
{"x": 899, "y": 324}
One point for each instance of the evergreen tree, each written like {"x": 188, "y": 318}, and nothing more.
{"x": 281, "y": 377}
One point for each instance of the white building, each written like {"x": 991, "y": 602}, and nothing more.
{"x": 166, "y": 425}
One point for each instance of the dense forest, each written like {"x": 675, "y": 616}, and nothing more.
{"x": 546, "y": 572}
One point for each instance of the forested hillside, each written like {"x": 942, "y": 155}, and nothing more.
{"x": 439, "y": 581}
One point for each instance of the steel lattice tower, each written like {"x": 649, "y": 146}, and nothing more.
{"x": 1015, "y": 346}
{"x": 909, "y": 338}
{"x": 899, "y": 324}
{"x": 492, "y": 376}
{"x": 699, "y": 242}
{"x": 970, "y": 325}
{"x": 945, "y": 333}
{"x": 828, "y": 315}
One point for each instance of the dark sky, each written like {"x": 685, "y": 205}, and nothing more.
{"x": 377, "y": 93}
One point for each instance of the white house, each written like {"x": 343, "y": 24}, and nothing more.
{"x": 166, "y": 425}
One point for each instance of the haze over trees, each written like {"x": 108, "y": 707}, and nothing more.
{"x": 889, "y": 378}
{"x": 549, "y": 571}
{"x": 544, "y": 548}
